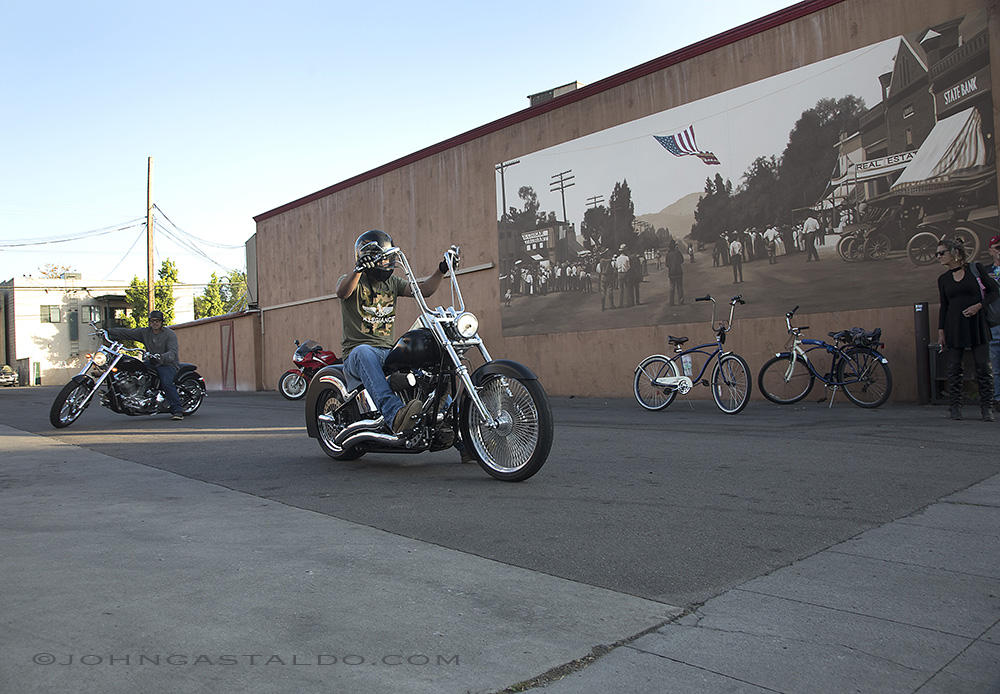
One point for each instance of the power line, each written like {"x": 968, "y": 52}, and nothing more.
{"x": 17, "y": 243}
{"x": 130, "y": 248}
{"x": 192, "y": 237}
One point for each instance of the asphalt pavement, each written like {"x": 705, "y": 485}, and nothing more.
{"x": 798, "y": 549}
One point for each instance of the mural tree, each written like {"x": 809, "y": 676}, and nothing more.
{"x": 713, "y": 215}
{"x": 595, "y": 226}
{"x": 622, "y": 212}
{"x": 809, "y": 157}
{"x": 759, "y": 195}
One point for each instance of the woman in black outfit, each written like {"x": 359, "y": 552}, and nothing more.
{"x": 962, "y": 325}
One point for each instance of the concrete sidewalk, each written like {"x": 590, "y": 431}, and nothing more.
{"x": 911, "y": 606}
{"x": 118, "y": 577}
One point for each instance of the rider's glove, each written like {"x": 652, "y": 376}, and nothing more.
{"x": 155, "y": 359}
{"x": 443, "y": 266}
{"x": 367, "y": 262}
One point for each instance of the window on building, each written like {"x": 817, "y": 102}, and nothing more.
{"x": 50, "y": 314}
{"x": 92, "y": 314}
{"x": 909, "y": 137}
{"x": 907, "y": 110}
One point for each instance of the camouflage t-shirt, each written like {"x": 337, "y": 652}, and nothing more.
{"x": 369, "y": 313}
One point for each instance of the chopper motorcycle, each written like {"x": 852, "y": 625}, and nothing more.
{"x": 308, "y": 358}
{"x": 131, "y": 386}
{"x": 500, "y": 410}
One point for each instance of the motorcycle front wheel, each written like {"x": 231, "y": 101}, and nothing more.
{"x": 69, "y": 404}
{"x": 328, "y": 402}
{"x": 518, "y": 446}
{"x": 292, "y": 386}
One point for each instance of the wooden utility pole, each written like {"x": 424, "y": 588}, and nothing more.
{"x": 561, "y": 185}
{"x": 149, "y": 235}
{"x": 503, "y": 185}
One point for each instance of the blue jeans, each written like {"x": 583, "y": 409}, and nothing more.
{"x": 167, "y": 373}
{"x": 365, "y": 364}
{"x": 995, "y": 360}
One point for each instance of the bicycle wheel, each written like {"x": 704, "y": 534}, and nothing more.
{"x": 649, "y": 394}
{"x": 731, "y": 383}
{"x": 866, "y": 380}
{"x": 784, "y": 381}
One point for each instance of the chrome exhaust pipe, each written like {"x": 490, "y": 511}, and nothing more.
{"x": 380, "y": 438}
{"x": 362, "y": 425}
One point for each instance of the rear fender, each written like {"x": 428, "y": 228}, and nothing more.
{"x": 326, "y": 378}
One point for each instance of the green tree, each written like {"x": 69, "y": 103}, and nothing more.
{"x": 234, "y": 291}
{"x": 163, "y": 295}
{"x": 222, "y": 295}
{"x": 210, "y": 303}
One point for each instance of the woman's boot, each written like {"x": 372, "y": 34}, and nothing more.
{"x": 984, "y": 379}
{"x": 954, "y": 374}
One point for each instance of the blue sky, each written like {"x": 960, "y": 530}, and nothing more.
{"x": 246, "y": 106}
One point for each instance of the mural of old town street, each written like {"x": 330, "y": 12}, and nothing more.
{"x": 826, "y": 187}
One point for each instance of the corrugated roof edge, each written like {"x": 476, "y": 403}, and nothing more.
{"x": 739, "y": 33}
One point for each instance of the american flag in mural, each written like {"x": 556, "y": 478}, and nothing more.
{"x": 682, "y": 144}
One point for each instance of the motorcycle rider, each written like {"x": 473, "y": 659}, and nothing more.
{"x": 368, "y": 309}
{"x": 161, "y": 342}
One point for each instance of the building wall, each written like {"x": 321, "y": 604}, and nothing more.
{"x": 48, "y": 344}
{"x": 204, "y": 343}
{"x": 449, "y": 197}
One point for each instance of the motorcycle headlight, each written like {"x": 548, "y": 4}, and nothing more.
{"x": 467, "y": 325}
{"x": 100, "y": 358}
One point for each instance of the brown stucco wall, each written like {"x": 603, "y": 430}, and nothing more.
{"x": 450, "y": 197}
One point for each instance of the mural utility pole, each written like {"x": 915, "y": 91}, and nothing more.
{"x": 149, "y": 235}
{"x": 503, "y": 185}
{"x": 561, "y": 185}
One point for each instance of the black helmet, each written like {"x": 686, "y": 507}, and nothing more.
{"x": 375, "y": 242}
{"x": 155, "y": 315}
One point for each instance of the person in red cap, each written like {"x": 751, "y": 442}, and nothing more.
{"x": 994, "y": 271}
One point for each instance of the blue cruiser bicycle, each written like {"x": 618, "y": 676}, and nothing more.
{"x": 856, "y": 367}
{"x": 659, "y": 378}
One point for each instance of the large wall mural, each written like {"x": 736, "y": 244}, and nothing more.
{"x": 827, "y": 186}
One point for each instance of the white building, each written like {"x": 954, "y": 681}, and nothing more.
{"x": 44, "y": 331}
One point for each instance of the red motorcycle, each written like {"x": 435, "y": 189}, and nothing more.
{"x": 309, "y": 357}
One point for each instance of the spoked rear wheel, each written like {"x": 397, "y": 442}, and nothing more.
{"x": 191, "y": 395}
{"x": 731, "y": 383}
{"x": 784, "y": 381}
{"x": 328, "y": 404}
{"x": 518, "y": 446}
{"x": 650, "y": 394}
{"x": 866, "y": 381}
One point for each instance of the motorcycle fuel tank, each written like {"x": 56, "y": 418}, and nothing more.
{"x": 417, "y": 349}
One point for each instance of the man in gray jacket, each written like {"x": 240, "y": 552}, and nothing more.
{"x": 161, "y": 343}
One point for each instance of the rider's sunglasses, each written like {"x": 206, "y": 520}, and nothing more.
{"x": 941, "y": 253}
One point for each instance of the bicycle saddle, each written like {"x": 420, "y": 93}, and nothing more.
{"x": 676, "y": 340}
{"x": 844, "y": 335}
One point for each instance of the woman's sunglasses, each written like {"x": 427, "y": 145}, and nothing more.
{"x": 941, "y": 253}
